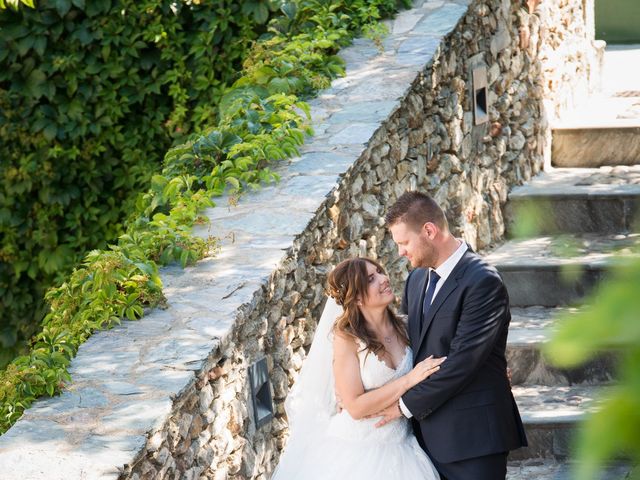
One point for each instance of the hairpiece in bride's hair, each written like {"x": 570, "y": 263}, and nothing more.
{"x": 337, "y": 294}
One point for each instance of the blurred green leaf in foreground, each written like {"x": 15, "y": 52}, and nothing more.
{"x": 611, "y": 322}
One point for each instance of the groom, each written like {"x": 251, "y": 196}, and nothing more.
{"x": 464, "y": 415}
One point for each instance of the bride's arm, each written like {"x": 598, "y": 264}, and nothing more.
{"x": 349, "y": 388}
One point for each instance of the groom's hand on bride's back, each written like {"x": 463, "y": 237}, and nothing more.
{"x": 389, "y": 414}
{"x": 420, "y": 372}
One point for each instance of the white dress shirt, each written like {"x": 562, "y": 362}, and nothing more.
{"x": 444, "y": 270}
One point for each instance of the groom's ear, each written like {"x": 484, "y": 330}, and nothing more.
{"x": 430, "y": 230}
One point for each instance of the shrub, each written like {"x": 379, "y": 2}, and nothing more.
{"x": 91, "y": 96}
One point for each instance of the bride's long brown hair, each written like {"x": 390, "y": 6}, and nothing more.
{"x": 348, "y": 281}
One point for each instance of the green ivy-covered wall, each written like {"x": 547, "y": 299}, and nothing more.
{"x": 91, "y": 96}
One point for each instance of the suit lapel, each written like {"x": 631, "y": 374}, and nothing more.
{"x": 449, "y": 286}
{"x": 415, "y": 310}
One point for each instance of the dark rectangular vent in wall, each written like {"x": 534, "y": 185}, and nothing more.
{"x": 261, "y": 392}
{"x": 480, "y": 103}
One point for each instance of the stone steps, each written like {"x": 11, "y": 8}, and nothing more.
{"x": 588, "y": 207}
{"x": 550, "y": 415}
{"x": 595, "y": 146}
{"x": 538, "y": 469}
{"x": 603, "y": 131}
{"x": 550, "y": 271}
{"x": 578, "y": 200}
{"x": 530, "y": 329}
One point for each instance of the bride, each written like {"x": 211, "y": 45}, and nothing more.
{"x": 361, "y": 355}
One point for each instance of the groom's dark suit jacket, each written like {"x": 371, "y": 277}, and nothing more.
{"x": 466, "y": 409}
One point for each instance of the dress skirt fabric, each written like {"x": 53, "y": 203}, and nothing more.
{"x": 356, "y": 450}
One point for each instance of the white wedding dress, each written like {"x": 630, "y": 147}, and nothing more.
{"x": 325, "y": 445}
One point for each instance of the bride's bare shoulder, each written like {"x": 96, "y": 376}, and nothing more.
{"x": 344, "y": 341}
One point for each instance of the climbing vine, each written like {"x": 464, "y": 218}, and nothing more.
{"x": 92, "y": 94}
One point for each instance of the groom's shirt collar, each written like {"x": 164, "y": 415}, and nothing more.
{"x": 448, "y": 265}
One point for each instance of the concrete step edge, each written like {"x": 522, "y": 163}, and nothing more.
{"x": 550, "y": 406}
{"x": 547, "y": 469}
{"x": 592, "y": 251}
{"x": 565, "y": 182}
{"x": 624, "y": 125}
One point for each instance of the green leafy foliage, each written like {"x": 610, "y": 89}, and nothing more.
{"x": 260, "y": 118}
{"x": 91, "y": 96}
{"x": 15, "y": 4}
{"x": 108, "y": 287}
{"x": 609, "y": 321}
{"x": 612, "y": 322}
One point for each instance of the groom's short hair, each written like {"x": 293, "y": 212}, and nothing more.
{"x": 415, "y": 209}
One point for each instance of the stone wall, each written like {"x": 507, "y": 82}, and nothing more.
{"x": 562, "y": 37}
{"x": 399, "y": 120}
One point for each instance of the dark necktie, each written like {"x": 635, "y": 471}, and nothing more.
{"x": 428, "y": 296}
